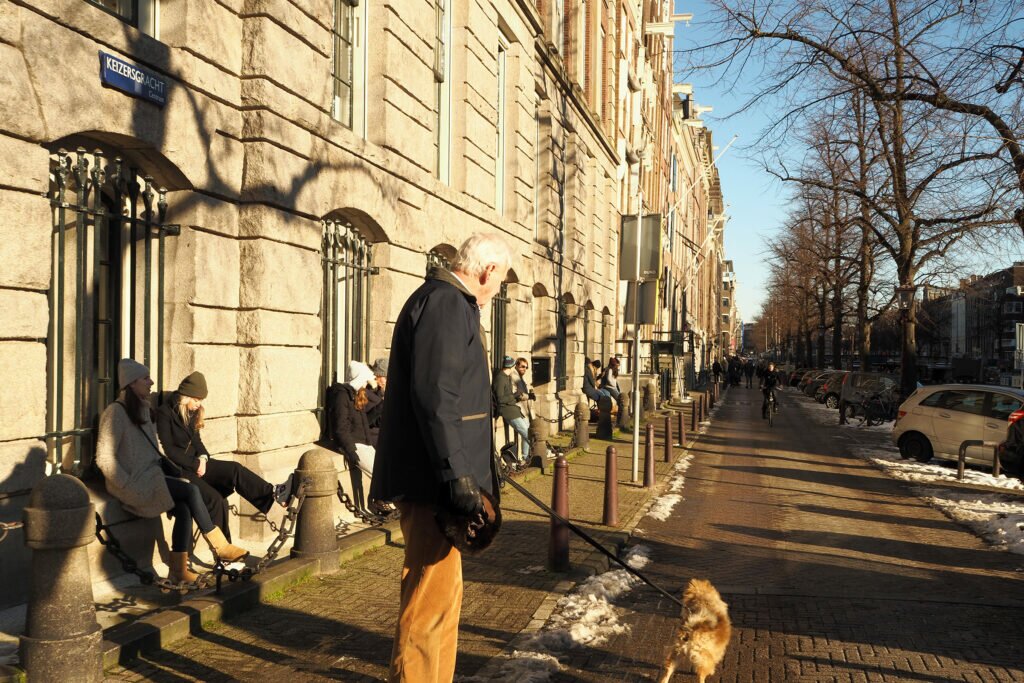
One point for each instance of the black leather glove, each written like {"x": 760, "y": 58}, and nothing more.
{"x": 462, "y": 497}
{"x": 533, "y": 396}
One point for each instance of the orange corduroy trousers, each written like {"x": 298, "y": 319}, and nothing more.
{"x": 427, "y": 633}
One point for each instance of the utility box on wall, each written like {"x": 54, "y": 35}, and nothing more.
{"x": 540, "y": 370}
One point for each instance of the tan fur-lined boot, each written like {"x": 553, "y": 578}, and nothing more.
{"x": 224, "y": 551}
{"x": 178, "y": 570}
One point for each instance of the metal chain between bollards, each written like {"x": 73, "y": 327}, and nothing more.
{"x": 7, "y": 527}
{"x": 146, "y": 577}
{"x": 284, "y": 532}
{"x": 365, "y": 516}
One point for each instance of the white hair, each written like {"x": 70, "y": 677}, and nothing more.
{"x": 482, "y": 250}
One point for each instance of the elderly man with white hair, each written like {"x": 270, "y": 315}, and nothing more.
{"x": 434, "y": 452}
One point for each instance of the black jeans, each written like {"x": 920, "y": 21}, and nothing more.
{"x": 223, "y": 478}
{"x": 188, "y": 505}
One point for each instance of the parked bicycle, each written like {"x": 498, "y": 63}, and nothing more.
{"x": 878, "y": 408}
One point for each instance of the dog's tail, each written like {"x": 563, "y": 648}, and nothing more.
{"x": 704, "y": 607}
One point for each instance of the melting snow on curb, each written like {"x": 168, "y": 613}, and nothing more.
{"x": 583, "y": 617}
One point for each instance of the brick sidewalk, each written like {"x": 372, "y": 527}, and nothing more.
{"x": 833, "y": 573}
{"x": 339, "y": 627}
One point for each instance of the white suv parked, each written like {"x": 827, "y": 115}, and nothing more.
{"x": 935, "y": 420}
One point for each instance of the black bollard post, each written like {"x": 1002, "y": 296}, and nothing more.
{"x": 668, "y": 438}
{"x": 538, "y": 434}
{"x": 649, "y": 456}
{"x": 558, "y": 546}
{"x": 611, "y": 488}
{"x": 604, "y": 418}
{"x": 582, "y": 428}
{"x": 314, "y": 532}
{"x": 624, "y": 418}
{"x": 682, "y": 428}
{"x": 694, "y": 414}
{"x": 62, "y": 641}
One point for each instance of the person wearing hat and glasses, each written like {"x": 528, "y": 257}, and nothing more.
{"x": 146, "y": 482}
{"x": 508, "y": 408}
{"x": 178, "y": 422}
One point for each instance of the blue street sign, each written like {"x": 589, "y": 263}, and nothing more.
{"x": 132, "y": 79}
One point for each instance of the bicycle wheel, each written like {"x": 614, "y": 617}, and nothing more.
{"x": 771, "y": 412}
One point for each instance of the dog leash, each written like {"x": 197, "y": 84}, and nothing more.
{"x": 586, "y": 537}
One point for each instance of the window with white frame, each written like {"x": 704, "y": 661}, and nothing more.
{"x": 443, "y": 89}
{"x": 349, "y": 64}
{"x": 499, "y": 152}
{"x": 559, "y": 26}
{"x": 142, "y": 14}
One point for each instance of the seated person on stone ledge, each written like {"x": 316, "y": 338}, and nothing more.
{"x": 178, "y": 422}
{"x": 144, "y": 480}
{"x": 591, "y": 369}
{"x": 349, "y": 428}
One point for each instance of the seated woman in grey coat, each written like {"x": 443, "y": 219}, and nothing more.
{"x": 141, "y": 477}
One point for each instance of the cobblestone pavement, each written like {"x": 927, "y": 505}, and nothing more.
{"x": 339, "y": 627}
{"x": 833, "y": 572}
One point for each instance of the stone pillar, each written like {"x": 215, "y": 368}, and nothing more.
{"x": 314, "y": 532}
{"x": 582, "y": 418}
{"x": 538, "y": 434}
{"x": 651, "y": 398}
{"x": 62, "y": 640}
{"x": 624, "y": 417}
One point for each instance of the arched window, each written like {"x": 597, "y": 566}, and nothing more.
{"x": 347, "y": 268}
{"x": 106, "y": 295}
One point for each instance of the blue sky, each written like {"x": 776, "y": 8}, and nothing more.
{"x": 756, "y": 201}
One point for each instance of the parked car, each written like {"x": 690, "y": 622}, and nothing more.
{"x": 935, "y": 420}
{"x": 807, "y": 377}
{"x": 858, "y": 386}
{"x": 795, "y": 377}
{"x": 829, "y": 392}
{"x": 811, "y": 388}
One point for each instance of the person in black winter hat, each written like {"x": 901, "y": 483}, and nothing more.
{"x": 179, "y": 422}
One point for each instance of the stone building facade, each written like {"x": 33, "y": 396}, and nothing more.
{"x": 277, "y": 183}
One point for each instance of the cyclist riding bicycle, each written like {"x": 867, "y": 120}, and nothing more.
{"x": 769, "y": 381}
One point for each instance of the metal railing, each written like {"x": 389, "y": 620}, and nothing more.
{"x": 962, "y": 457}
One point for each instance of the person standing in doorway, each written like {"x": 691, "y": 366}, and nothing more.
{"x": 521, "y": 389}
{"x": 505, "y": 400}
{"x": 435, "y": 451}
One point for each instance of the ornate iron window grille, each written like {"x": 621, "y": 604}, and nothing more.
{"x": 107, "y": 227}
{"x": 347, "y": 259}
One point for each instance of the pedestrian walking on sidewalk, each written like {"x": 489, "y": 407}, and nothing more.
{"x": 435, "y": 453}
{"x": 748, "y": 372}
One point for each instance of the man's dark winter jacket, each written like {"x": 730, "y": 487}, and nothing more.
{"x": 508, "y": 409}
{"x": 437, "y": 408}
{"x": 181, "y": 442}
{"x": 348, "y": 426}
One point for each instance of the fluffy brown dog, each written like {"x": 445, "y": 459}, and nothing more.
{"x": 703, "y": 633}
